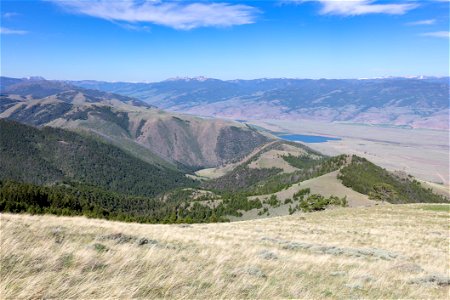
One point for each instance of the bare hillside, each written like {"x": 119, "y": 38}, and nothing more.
{"x": 130, "y": 124}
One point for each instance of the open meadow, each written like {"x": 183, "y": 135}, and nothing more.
{"x": 387, "y": 251}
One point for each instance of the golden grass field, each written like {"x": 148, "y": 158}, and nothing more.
{"x": 389, "y": 251}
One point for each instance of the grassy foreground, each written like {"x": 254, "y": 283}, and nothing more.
{"x": 389, "y": 251}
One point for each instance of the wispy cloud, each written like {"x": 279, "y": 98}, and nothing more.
{"x": 438, "y": 34}
{"x": 4, "y": 30}
{"x": 133, "y": 27}
{"x": 422, "y": 22}
{"x": 360, "y": 7}
{"x": 10, "y": 15}
{"x": 177, "y": 14}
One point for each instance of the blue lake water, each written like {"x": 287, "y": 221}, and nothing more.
{"x": 307, "y": 138}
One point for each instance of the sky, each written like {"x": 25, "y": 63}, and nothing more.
{"x": 152, "y": 40}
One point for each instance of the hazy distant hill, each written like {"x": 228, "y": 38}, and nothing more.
{"x": 414, "y": 102}
{"x": 147, "y": 132}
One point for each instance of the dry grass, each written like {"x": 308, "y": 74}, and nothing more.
{"x": 326, "y": 185}
{"x": 63, "y": 257}
{"x": 274, "y": 159}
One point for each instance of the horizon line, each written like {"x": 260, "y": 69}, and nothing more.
{"x": 205, "y": 78}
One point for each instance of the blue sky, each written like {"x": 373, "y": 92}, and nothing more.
{"x": 140, "y": 40}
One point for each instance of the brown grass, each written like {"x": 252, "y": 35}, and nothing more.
{"x": 75, "y": 257}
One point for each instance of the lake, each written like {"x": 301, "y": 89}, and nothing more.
{"x": 307, "y": 138}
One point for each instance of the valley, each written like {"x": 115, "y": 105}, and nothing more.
{"x": 422, "y": 153}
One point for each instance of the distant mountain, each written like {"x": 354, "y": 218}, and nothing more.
{"x": 52, "y": 155}
{"x": 141, "y": 129}
{"x": 38, "y": 88}
{"x": 418, "y": 102}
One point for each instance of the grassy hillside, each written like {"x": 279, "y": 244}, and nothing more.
{"x": 396, "y": 252}
{"x": 260, "y": 180}
{"x": 51, "y": 155}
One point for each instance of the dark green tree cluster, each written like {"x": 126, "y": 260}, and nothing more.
{"x": 379, "y": 184}
{"x": 240, "y": 179}
{"x": 316, "y": 202}
{"x": 232, "y": 203}
{"x": 308, "y": 202}
{"x": 74, "y": 199}
{"x": 77, "y": 200}
{"x": 300, "y": 162}
{"x": 273, "y": 201}
{"x": 300, "y": 195}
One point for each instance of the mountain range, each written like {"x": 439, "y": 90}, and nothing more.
{"x": 416, "y": 102}
{"x": 129, "y": 123}
{"x": 75, "y": 150}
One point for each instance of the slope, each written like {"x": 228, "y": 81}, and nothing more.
{"x": 367, "y": 178}
{"x": 52, "y": 155}
{"x": 379, "y": 252}
{"x": 131, "y": 125}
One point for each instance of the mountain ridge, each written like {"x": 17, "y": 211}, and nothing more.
{"x": 416, "y": 102}
{"x": 131, "y": 124}
{"x": 47, "y": 155}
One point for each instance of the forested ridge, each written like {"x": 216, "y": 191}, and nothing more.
{"x": 251, "y": 181}
{"x": 49, "y": 155}
{"x": 379, "y": 184}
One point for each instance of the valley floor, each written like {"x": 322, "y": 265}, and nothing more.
{"x": 420, "y": 152}
{"x": 389, "y": 251}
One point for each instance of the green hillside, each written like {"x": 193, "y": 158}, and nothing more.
{"x": 258, "y": 181}
{"x": 50, "y": 155}
{"x": 379, "y": 184}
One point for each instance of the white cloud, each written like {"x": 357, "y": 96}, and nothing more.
{"x": 422, "y": 22}
{"x": 178, "y": 15}
{"x": 438, "y": 34}
{"x": 4, "y": 30}
{"x": 360, "y": 7}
